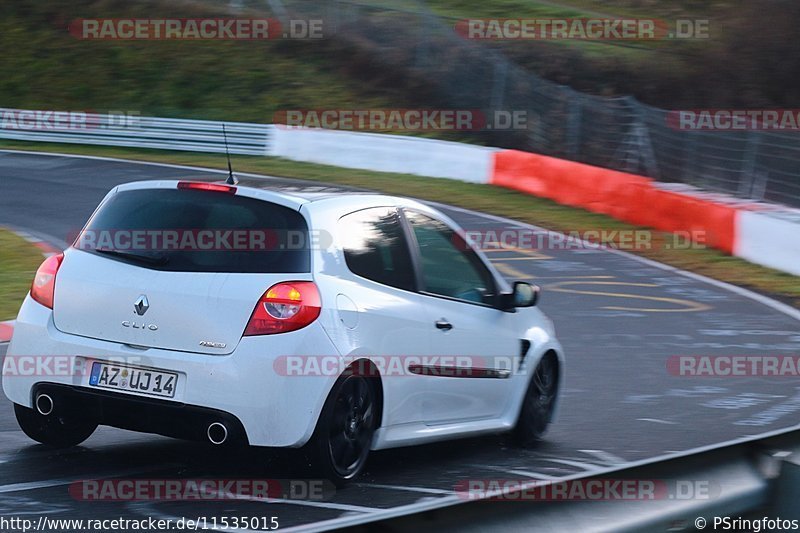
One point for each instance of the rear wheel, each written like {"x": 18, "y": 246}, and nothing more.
{"x": 539, "y": 402}
{"x": 345, "y": 429}
{"x": 53, "y": 430}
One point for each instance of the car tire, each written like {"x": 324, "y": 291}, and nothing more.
{"x": 538, "y": 404}
{"x": 53, "y": 430}
{"x": 343, "y": 436}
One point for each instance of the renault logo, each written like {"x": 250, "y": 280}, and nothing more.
{"x": 141, "y": 305}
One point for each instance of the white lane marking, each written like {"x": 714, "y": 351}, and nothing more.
{"x": 533, "y": 475}
{"x": 45, "y": 247}
{"x": 59, "y": 482}
{"x": 323, "y": 505}
{"x": 423, "y": 490}
{"x": 120, "y": 160}
{"x": 517, "y": 471}
{"x": 33, "y": 485}
{"x": 765, "y": 300}
{"x": 306, "y": 503}
{"x": 606, "y": 457}
{"x": 588, "y": 467}
{"x": 657, "y": 421}
{"x": 22, "y": 506}
{"x": 45, "y": 238}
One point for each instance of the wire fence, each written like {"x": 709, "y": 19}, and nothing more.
{"x": 619, "y": 133}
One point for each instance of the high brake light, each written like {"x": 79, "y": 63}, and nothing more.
{"x": 44, "y": 284}
{"x": 205, "y": 186}
{"x": 286, "y": 306}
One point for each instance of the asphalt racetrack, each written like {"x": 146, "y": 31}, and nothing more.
{"x": 620, "y": 320}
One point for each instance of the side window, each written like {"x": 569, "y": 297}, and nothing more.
{"x": 375, "y": 247}
{"x": 449, "y": 266}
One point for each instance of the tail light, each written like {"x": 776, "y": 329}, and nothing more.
{"x": 286, "y": 306}
{"x": 205, "y": 186}
{"x": 44, "y": 284}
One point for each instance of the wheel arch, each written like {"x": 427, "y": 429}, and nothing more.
{"x": 530, "y": 367}
{"x": 362, "y": 366}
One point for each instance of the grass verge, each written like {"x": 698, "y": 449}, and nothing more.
{"x": 19, "y": 260}
{"x": 494, "y": 200}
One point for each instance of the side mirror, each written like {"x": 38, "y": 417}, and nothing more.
{"x": 525, "y": 294}
{"x": 522, "y": 295}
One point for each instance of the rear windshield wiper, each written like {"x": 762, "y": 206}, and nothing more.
{"x": 149, "y": 259}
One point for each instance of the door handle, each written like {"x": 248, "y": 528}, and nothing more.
{"x": 444, "y": 325}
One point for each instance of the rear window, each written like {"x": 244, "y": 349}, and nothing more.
{"x": 198, "y": 231}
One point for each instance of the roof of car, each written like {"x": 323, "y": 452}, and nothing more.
{"x": 310, "y": 191}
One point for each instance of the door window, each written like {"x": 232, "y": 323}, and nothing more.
{"x": 449, "y": 266}
{"x": 375, "y": 247}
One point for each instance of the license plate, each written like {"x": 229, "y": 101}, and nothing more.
{"x": 133, "y": 379}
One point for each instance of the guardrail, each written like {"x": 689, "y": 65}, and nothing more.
{"x": 750, "y": 479}
{"x": 133, "y": 131}
{"x": 383, "y": 153}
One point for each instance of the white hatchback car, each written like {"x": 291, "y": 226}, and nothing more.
{"x": 338, "y": 322}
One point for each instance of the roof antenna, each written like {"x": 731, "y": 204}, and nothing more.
{"x": 232, "y": 180}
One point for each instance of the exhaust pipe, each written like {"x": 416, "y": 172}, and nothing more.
{"x": 44, "y": 404}
{"x": 217, "y": 433}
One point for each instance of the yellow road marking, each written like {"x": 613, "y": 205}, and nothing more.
{"x": 689, "y": 306}
{"x": 494, "y": 247}
{"x": 528, "y": 258}
{"x": 512, "y": 272}
{"x": 574, "y": 277}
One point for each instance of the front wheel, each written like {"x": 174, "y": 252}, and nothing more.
{"x": 538, "y": 404}
{"x": 53, "y": 430}
{"x": 343, "y": 436}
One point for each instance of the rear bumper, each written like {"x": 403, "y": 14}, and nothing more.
{"x": 148, "y": 415}
{"x": 272, "y": 409}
